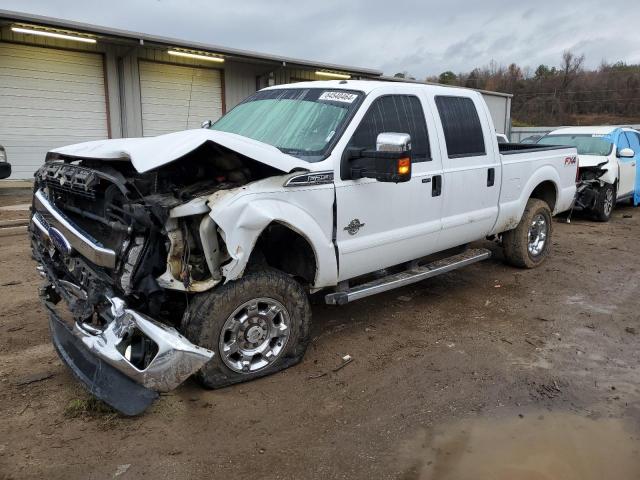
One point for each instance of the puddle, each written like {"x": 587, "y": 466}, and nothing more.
{"x": 536, "y": 447}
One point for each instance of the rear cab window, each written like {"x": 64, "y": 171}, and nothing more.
{"x": 461, "y": 125}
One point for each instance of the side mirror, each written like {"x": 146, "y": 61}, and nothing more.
{"x": 389, "y": 162}
{"x": 626, "y": 153}
{"x": 206, "y": 124}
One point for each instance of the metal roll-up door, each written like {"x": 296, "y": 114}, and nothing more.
{"x": 48, "y": 98}
{"x": 176, "y": 98}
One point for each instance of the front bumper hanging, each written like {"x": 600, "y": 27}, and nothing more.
{"x": 97, "y": 357}
{"x": 97, "y": 376}
{"x": 129, "y": 357}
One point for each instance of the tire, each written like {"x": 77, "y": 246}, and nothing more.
{"x": 519, "y": 248}
{"x": 208, "y": 323}
{"x": 605, "y": 202}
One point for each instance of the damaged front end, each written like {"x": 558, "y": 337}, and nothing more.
{"x": 589, "y": 185}
{"x": 124, "y": 250}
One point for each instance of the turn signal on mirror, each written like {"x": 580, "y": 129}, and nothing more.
{"x": 404, "y": 166}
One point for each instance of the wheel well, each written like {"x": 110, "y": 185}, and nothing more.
{"x": 280, "y": 247}
{"x": 546, "y": 192}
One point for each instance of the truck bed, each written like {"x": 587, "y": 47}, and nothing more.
{"x": 511, "y": 148}
{"x": 525, "y": 167}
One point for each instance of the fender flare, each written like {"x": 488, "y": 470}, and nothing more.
{"x": 242, "y": 222}
{"x": 511, "y": 213}
{"x": 543, "y": 174}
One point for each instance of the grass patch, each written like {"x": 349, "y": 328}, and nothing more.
{"x": 90, "y": 408}
{"x": 86, "y": 406}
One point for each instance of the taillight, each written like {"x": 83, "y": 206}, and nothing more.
{"x": 577, "y": 169}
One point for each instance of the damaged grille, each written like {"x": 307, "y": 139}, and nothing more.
{"x": 90, "y": 199}
{"x": 62, "y": 177}
{"x": 96, "y": 227}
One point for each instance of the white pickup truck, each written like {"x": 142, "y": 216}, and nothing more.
{"x": 195, "y": 252}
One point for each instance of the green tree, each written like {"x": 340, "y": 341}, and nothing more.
{"x": 404, "y": 74}
{"x": 447, "y": 78}
{"x": 543, "y": 72}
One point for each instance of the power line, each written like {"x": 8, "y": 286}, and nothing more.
{"x": 607, "y": 100}
{"x": 579, "y": 92}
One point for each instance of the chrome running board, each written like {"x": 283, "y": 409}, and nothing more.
{"x": 407, "y": 277}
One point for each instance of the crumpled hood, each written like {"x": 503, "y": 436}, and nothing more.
{"x": 152, "y": 152}
{"x": 592, "y": 160}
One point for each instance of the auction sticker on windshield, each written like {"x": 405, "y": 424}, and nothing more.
{"x": 344, "y": 97}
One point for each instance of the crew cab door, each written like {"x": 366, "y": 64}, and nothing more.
{"x": 472, "y": 169}
{"x": 384, "y": 224}
{"x": 627, "y": 178}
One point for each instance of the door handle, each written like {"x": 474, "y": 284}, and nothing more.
{"x": 491, "y": 177}
{"x": 436, "y": 186}
{"x": 426, "y": 180}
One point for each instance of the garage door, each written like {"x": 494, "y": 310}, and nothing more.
{"x": 48, "y": 98}
{"x": 177, "y": 98}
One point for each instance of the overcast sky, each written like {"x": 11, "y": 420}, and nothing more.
{"x": 421, "y": 37}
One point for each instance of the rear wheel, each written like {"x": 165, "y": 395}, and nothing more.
{"x": 528, "y": 245}
{"x": 605, "y": 202}
{"x": 256, "y": 326}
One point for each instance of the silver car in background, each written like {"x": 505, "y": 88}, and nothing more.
{"x": 5, "y": 166}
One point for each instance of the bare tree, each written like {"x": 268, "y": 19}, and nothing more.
{"x": 563, "y": 94}
{"x": 571, "y": 67}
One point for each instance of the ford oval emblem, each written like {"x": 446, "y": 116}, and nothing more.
{"x": 59, "y": 241}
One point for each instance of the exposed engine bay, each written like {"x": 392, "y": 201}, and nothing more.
{"x": 157, "y": 258}
{"x": 589, "y": 185}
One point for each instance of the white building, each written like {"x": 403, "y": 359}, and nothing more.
{"x": 64, "y": 82}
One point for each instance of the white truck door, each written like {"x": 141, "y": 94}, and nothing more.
{"x": 384, "y": 224}
{"x": 627, "y": 165}
{"x": 472, "y": 169}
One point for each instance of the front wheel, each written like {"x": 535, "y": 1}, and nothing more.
{"x": 528, "y": 245}
{"x": 605, "y": 201}
{"x": 256, "y": 326}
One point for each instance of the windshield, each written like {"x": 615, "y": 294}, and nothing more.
{"x": 303, "y": 122}
{"x": 586, "y": 144}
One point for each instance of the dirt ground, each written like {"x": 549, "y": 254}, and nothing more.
{"x": 486, "y": 372}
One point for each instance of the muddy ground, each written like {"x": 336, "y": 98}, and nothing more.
{"x": 487, "y": 372}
